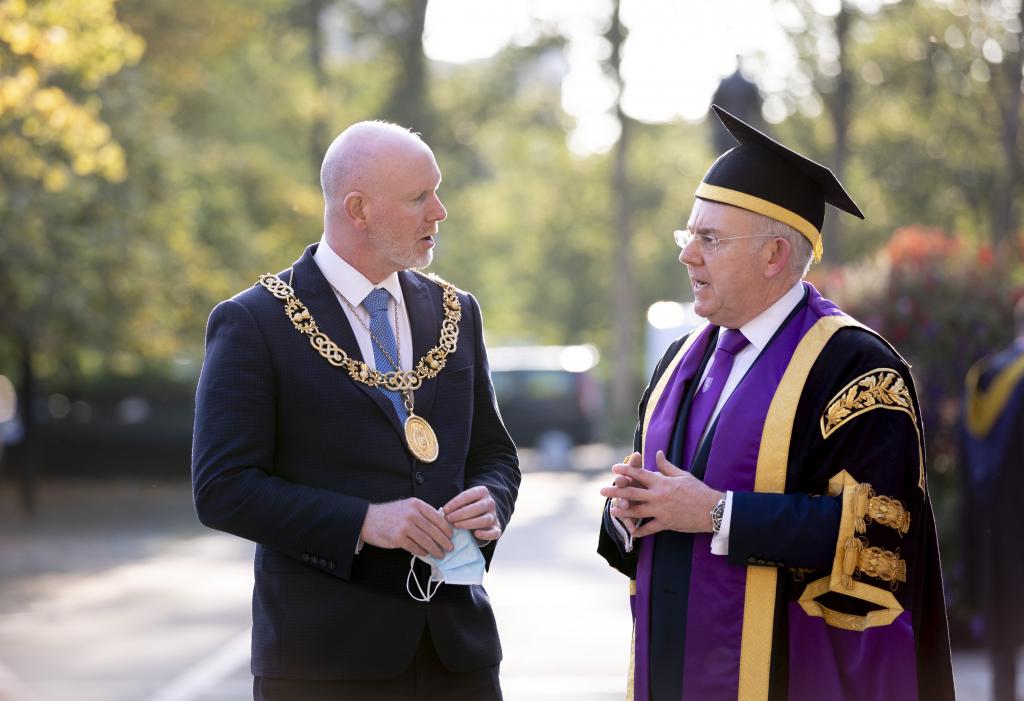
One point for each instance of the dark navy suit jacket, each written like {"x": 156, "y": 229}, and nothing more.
{"x": 289, "y": 451}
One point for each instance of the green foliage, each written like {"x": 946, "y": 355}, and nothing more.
{"x": 928, "y": 79}
{"x": 57, "y": 156}
{"x": 53, "y": 54}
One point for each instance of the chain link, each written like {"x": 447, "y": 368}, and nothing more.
{"x": 428, "y": 366}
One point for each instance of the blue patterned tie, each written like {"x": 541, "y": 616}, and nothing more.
{"x": 380, "y": 329}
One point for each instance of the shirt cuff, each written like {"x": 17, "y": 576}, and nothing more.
{"x": 624, "y": 536}
{"x": 720, "y": 540}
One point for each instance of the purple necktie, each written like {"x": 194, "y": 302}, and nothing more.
{"x": 706, "y": 398}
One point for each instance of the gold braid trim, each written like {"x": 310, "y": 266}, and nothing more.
{"x": 881, "y": 388}
{"x": 869, "y": 507}
{"x": 860, "y": 558}
{"x": 427, "y": 368}
{"x": 854, "y": 558}
{"x": 888, "y": 512}
{"x": 883, "y": 616}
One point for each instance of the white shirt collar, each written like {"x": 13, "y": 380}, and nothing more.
{"x": 761, "y": 328}
{"x": 349, "y": 282}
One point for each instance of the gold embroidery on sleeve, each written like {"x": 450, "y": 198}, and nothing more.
{"x": 869, "y": 507}
{"x": 881, "y": 388}
{"x": 889, "y": 512}
{"x": 860, "y": 558}
{"x": 854, "y": 558}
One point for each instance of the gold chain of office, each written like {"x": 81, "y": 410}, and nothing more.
{"x": 428, "y": 366}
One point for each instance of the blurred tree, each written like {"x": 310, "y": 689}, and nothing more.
{"x": 738, "y": 96}
{"x": 409, "y": 103}
{"x": 625, "y": 318}
{"x": 310, "y": 15}
{"x": 54, "y": 146}
{"x": 823, "y": 82}
{"x": 1003, "y": 49}
{"x": 395, "y": 30}
{"x": 967, "y": 79}
{"x": 939, "y": 84}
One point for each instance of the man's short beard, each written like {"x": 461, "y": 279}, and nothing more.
{"x": 406, "y": 258}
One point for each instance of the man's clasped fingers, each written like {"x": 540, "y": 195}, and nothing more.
{"x": 410, "y": 524}
{"x": 635, "y": 494}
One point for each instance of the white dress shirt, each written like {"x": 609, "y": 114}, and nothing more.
{"x": 352, "y": 286}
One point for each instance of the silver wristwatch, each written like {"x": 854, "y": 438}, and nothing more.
{"x": 716, "y": 516}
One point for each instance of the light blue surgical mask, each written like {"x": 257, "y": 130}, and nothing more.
{"x": 464, "y": 564}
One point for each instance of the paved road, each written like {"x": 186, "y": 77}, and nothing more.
{"x": 115, "y": 593}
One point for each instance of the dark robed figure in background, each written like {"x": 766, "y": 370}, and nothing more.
{"x": 345, "y": 422}
{"x": 774, "y": 519}
{"x": 992, "y": 451}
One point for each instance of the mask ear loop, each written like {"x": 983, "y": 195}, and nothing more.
{"x": 424, "y": 596}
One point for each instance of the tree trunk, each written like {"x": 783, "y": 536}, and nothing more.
{"x": 319, "y": 139}
{"x": 624, "y": 321}
{"x": 836, "y": 248}
{"x": 1004, "y": 216}
{"x": 408, "y": 104}
{"x": 23, "y": 455}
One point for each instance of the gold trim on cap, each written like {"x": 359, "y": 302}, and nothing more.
{"x": 768, "y": 209}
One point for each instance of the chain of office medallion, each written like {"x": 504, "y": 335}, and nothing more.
{"x": 428, "y": 366}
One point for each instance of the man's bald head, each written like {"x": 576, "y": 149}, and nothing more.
{"x": 381, "y": 209}
{"x": 352, "y": 158}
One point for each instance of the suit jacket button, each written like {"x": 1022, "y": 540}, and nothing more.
{"x": 420, "y": 479}
{"x": 322, "y": 562}
{"x": 305, "y": 557}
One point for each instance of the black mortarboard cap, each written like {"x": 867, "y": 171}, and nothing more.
{"x": 761, "y": 175}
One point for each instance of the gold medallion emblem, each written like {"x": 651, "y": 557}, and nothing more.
{"x": 420, "y": 438}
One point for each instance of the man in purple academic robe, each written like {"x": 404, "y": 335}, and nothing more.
{"x": 774, "y": 520}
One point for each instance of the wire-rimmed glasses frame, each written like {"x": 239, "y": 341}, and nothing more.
{"x": 708, "y": 242}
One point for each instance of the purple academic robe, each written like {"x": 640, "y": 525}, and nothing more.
{"x": 760, "y": 623}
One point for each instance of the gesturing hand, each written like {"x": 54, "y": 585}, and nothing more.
{"x": 475, "y": 510}
{"x": 411, "y": 524}
{"x": 671, "y": 499}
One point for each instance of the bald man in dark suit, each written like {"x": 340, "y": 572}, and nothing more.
{"x": 346, "y": 423}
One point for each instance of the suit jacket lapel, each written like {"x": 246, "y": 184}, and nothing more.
{"x": 312, "y": 288}
{"x": 422, "y": 306}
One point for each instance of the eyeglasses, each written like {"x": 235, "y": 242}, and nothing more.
{"x": 708, "y": 242}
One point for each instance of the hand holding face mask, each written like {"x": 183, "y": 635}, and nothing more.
{"x": 463, "y": 565}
